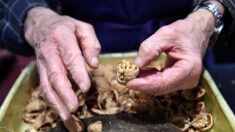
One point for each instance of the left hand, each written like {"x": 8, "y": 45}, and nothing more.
{"x": 185, "y": 42}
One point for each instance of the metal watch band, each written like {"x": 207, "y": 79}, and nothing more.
{"x": 217, "y": 13}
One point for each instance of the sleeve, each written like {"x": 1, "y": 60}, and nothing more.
{"x": 12, "y": 15}
{"x": 225, "y": 45}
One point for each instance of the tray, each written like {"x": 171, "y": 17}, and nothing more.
{"x": 11, "y": 111}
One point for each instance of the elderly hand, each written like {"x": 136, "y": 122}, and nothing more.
{"x": 60, "y": 42}
{"x": 185, "y": 42}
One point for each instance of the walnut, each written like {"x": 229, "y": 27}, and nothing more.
{"x": 126, "y": 71}
{"x": 36, "y": 105}
{"x": 79, "y": 124}
{"x": 203, "y": 121}
{"x": 185, "y": 108}
{"x": 95, "y": 127}
{"x": 194, "y": 94}
{"x": 200, "y": 106}
{"x": 182, "y": 122}
{"x": 109, "y": 111}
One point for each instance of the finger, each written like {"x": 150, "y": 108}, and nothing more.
{"x": 147, "y": 52}
{"x": 53, "y": 100}
{"x": 50, "y": 95}
{"x": 171, "y": 79}
{"x": 153, "y": 46}
{"x": 58, "y": 77}
{"x": 73, "y": 59}
{"x": 89, "y": 43}
{"x": 150, "y": 49}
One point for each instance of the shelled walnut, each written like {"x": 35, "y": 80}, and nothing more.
{"x": 126, "y": 71}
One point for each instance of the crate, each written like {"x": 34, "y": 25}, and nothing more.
{"x": 12, "y": 110}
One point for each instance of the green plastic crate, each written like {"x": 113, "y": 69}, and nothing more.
{"x": 11, "y": 111}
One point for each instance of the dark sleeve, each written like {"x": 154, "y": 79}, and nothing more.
{"x": 225, "y": 45}
{"x": 12, "y": 15}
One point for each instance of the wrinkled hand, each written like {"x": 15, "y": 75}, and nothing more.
{"x": 185, "y": 42}
{"x": 60, "y": 42}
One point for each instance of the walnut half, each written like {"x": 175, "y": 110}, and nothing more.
{"x": 126, "y": 71}
{"x": 203, "y": 121}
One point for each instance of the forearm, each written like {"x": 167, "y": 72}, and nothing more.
{"x": 11, "y": 24}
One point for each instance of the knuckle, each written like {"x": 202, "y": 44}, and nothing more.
{"x": 145, "y": 47}
{"x": 58, "y": 32}
{"x": 83, "y": 36}
{"x": 169, "y": 30}
{"x": 95, "y": 47}
{"x": 86, "y": 33}
{"x": 165, "y": 29}
{"x": 40, "y": 53}
{"x": 88, "y": 26}
{"x": 91, "y": 47}
{"x": 69, "y": 58}
{"x": 44, "y": 50}
{"x": 147, "y": 50}
{"x": 67, "y": 18}
{"x": 54, "y": 76}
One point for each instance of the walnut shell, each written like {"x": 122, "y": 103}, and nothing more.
{"x": 182, "y": 122}
{"x": 203, "y": 121}
{"x": 193, "y": 94}
{"x": 95, "y": 127}
{"x": 126, "y": 71}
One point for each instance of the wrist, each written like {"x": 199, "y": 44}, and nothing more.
{"x": 33, "y": 19}
{"x": 217, "y": 10}
{"x": 203, "y": 20}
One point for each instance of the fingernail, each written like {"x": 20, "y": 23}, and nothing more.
{"x": 71, "y": 107}
{"x": 83, "y": 87}
{"x": 63, "y": 116}
{"x": 94, "y": 61}
{"x": 138, "y": 62}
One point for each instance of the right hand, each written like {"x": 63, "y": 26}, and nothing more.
{"x": 60, "y": 42}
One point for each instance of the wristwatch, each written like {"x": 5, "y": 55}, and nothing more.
{"x": 217, "y": 13}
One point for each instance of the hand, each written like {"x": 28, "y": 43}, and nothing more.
{"x": 185, "y": 42}
{"x": 60, "y": 42}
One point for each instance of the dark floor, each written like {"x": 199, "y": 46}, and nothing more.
{"x": 10, "y": 74}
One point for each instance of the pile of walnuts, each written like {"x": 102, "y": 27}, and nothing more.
{"x": 186, "y": 108}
